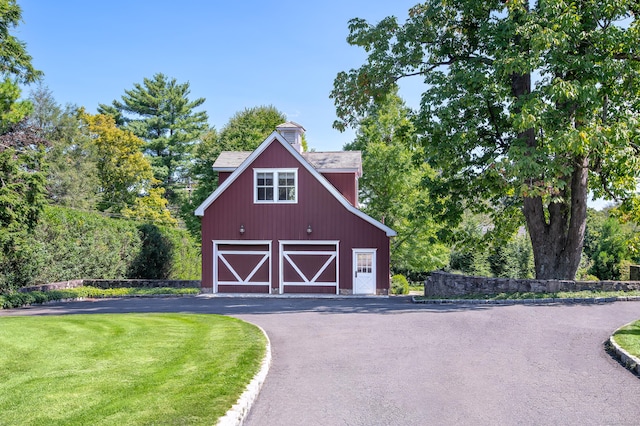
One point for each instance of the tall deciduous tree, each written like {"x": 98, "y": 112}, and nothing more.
{"x": 390, "y": 187}
{"x": 523, "y": 106}
{"x": 126, "y": 177}
{"x": 72, "y": 178}
{"x": 159, "y": 111}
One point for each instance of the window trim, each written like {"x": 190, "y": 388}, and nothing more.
{"x": 276, "y": 172}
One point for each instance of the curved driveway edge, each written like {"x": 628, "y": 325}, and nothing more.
{"x": 631, "y": 362}
{"x": 387, "y": 362}
{"x": 239, "y": 411}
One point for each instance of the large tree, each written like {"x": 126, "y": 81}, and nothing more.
{"x": 160, "y": 112}
{"x": 72, "y": 178}
{"x": 525, "y": 104}
{"x": 126, "y": 176}
{"x": 22, "y": 175}
{"x": 390, "y": 190}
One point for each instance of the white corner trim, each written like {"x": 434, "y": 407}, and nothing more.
{"x": 240, "y": 410}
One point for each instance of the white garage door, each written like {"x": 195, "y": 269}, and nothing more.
{"x": 309, "y": 265}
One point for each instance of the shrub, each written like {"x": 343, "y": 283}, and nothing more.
{"x": 68, "y": 244}
{"x": 399, "y": 285}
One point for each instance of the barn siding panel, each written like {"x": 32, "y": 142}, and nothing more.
{"x": 346, "y": 184}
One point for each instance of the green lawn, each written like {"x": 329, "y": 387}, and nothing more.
{"x": 628, "y": 337}
{"x": 124, "y": 368}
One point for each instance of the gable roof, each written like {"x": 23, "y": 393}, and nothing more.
{"x": 244, "y": 164}
{"x": 324, "y": 162}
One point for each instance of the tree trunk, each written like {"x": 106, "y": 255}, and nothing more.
{"x": 557, "y": 237}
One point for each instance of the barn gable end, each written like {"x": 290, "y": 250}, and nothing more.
{"x": 276, "y": 224}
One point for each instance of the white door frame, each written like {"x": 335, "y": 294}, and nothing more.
{"x": 334, "y": 255}
{"x": 354, "y": 267}
{"x": 219, "y": 253}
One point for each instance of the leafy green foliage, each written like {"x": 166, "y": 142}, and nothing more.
{"x": 390, "y": 187}
{"x": 248, "y": 128}
{"x": 14, "y": 59}
{"x": 125, "y": 175}
{"x": 22, "y": 169}
{"x": 399, "y": 284}
{"x": 12, "y": 110}
{"x": 159, "y": 112}
{"x": 154, "y": 259}
{"x": 478, "y": 251}
{"x": 22, "y": 199}
{"x": 610, "y": 245}
{"x": 500, "y": 139}
{"x": 70, "y": 244}
{"x": 19, "y": 299}
{"x": 72, "y": 175}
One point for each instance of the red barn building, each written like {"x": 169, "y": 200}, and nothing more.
{"x": 287, "y": 221}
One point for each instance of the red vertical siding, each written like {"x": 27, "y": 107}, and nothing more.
{"x": 222, "y": 176}
{"x": 329, "y": 220}
{"x": 346, "y": 184}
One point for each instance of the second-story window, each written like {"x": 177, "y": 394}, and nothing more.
{"x": 275, "y": 185}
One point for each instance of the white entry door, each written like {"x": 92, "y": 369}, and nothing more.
{"x": 364, "y": 271}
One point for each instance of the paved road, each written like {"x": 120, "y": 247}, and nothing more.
{"x": 389, "y": 362}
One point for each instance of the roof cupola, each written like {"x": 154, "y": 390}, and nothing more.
{"x": 292, "y": 132}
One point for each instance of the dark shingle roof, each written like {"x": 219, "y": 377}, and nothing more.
{"x": 321, "y": 161}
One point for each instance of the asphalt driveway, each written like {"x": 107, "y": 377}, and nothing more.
{"x": 390, "y": 362}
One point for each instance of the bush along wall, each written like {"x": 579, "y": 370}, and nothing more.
{"x": 69, "y": 244}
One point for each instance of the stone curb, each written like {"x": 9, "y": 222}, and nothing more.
{"x": 589, "y": 300}
{"x": 630, "y": 362}
{"x": 240, "y": 410}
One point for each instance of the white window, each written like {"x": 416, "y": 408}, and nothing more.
{"x": 275, "y": 186}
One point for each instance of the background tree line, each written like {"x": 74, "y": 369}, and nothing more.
{"x": 462, "y": 180}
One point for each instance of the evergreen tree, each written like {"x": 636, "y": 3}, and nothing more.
{"x": 14, "y": 59}
{"x": 22, "y": 167}
{"x": 159, "y": 112}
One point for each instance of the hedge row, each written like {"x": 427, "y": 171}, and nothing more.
{"x": 17, "y": 299}
{"x": 69, "y": 244}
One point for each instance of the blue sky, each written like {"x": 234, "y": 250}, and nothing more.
{"x": 236, "y": 54}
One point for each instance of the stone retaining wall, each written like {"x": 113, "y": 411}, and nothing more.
{"x": 114, "y": 284}
{"x": 442, "y": 284}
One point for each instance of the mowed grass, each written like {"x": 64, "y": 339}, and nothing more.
{"x": 628, "y": 337}
{"x": 124, "y": 369}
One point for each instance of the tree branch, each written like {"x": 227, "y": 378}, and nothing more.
{"x": 452, "y": 60}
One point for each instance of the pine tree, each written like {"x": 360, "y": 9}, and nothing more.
{"x": 159, "y": 112}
